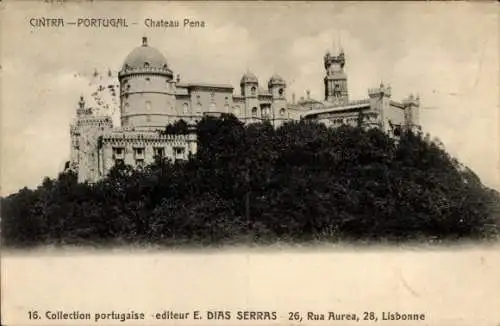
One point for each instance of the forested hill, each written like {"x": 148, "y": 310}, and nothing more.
{"x": 254, "y": 183}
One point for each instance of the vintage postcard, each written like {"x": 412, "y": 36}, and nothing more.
{"x": 250, "y": 163}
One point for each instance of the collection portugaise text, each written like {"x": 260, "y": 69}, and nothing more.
{"x": 225, "y": 315}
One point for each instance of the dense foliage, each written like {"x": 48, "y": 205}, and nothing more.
{"x": 299, "y": 182}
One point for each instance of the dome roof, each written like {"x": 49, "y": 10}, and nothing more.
{"x": 145, "y": 56}
{"x": 249, "y": 77}
{"x": 276, "y": 80}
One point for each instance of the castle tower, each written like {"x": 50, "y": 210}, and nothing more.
{"x": 380, "y": 101}
{"x": 335, "y": 80}
{"x": 147, "y": 86}
{"x": 85, "y": 132}
{"x": 250, "y": 90}
{"x": 277, "y": 88}
{"x": 412, "y": 108}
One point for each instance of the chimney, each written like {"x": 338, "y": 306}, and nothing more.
{"x": 144, "y": 41}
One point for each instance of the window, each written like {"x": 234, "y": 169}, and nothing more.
{"x": 139, "y": 152}
{"x": 179, "y": 153}
{"x": 119, "y": 162}
{"x": 282, "y": 111}
{"x": 281, "y": 91}
{"x": 253, "y": 90}
{"x": 118, "y": 151}
{"x": 159, "y": 152}
{"x": 139, "y": 163}
{"x": 254, "y": 111}
{"x": 148, "y": 79}
{"x": 185, "y": 108}
{"x": 146, "y": 64}
{"x": 212, "y": 107}
{"x": 237, "y": 110}
{"x": 336, "y": 91}
{"x": 265, "y": 111}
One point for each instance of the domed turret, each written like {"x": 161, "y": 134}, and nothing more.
{"x": 144, "y": 55}
{"x": 276, "y": 80}
{"x": 249, "y": 77}
{"x": 146, "y": 58}
{"x": 147, "y": 88}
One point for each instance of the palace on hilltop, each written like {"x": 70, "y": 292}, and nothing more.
{"x": 151, "y": 97}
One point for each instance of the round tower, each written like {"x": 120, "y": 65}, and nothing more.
{"x": 147, "y": 89}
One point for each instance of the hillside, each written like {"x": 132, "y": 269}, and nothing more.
{"x": 300, "y": 182}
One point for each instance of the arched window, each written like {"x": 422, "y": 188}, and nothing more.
{"x": 146, "y": 64}
{"x": 253, "y": 90}
{"x": 254, "y": 111}
{"x": 282, "y": 111}
{"x": 336, "y": 91}
{"x": 281, "y": 91}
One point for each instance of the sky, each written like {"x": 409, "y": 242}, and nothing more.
{"x": 445, "y": 52}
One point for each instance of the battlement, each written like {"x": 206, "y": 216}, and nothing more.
{"x": 94, "y": 121}
{"x": 142, "y": 136}
{"x": 412, "y": 100}
{"x": 329, "y": 59}
{"x": 145, "y": 70}
{"x": 382, "y": 90}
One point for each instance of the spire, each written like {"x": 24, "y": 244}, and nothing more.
{"x": 81, "y": 103}
{"x": 337, "y": 44}
{"x": 340, "y": 49}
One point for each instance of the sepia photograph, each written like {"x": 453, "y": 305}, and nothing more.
{"x": 255, "y": 163}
